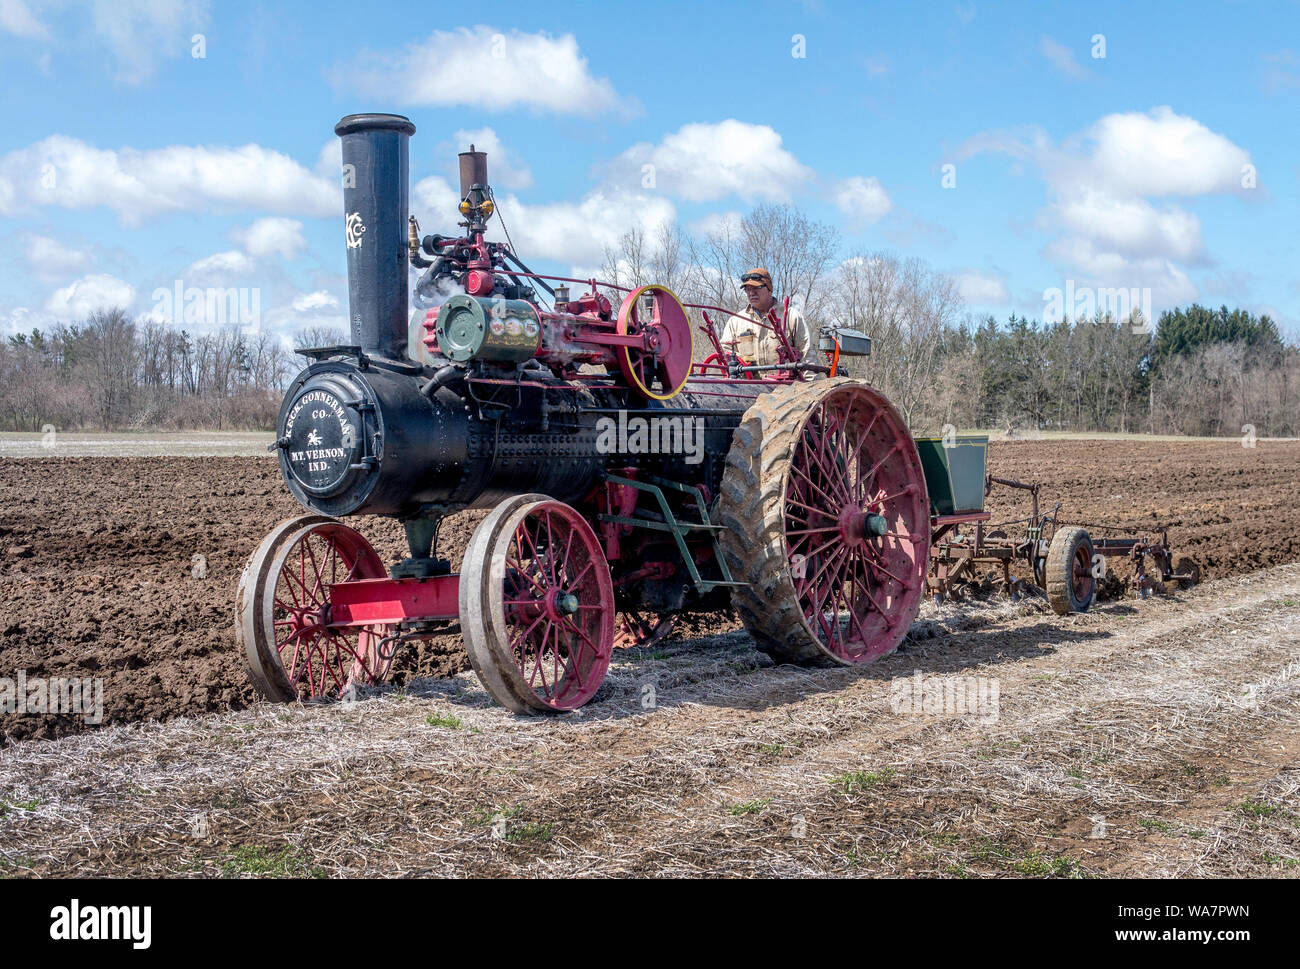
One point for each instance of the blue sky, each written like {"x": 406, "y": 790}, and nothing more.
{"x": 1171, "y": 164}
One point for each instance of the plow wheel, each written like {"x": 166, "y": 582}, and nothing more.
{"x": 1071, "y": 586}
{"x": 537, "y": 606}
{"x": 1192, "y": 571}
{"x": 282, "y": 612}
{"x": 827, "y": 519}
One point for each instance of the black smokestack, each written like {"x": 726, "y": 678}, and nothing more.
{"x": 375, "y": 202}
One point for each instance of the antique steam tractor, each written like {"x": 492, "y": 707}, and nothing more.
{"x": 623, "y": 478}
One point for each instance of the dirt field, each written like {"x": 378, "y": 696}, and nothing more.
{"x": 126, "y": 568}
{"x": 1170, "y": 726}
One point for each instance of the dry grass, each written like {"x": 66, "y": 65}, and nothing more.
{"x": 702, "y": 758}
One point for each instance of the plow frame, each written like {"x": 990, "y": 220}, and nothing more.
{"x": 954, "y": 557}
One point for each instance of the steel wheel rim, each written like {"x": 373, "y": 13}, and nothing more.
{"x": 315, "y": 660}
{"x": 1082, "y": 578}
{"x": 855, "y": 465}
{"x": 553, "y": 599}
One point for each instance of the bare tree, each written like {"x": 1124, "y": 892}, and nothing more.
{"x": 797, "y": 251}
{"x": 907, "y": 309}
{"x": 319, "y": 335}
{"x": 110, "y": 352}
{"x": 628, "y": 263}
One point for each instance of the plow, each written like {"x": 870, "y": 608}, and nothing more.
{"x": 625, "y": 483}
{"x": 1065, "y": 561}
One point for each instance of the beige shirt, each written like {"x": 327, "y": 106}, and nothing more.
{"x": 756, "y": 345}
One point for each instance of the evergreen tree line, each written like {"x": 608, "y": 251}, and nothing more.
{"x": 1196, "y": 372}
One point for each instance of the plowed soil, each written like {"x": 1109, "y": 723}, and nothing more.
{"x": 126, "y": 568}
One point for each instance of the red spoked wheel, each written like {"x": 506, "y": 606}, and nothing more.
{"x": 537, "y": 606}
{"x": 827, "y": 519}
{"x": 292, "y": 651}
{"x": 714, "y": 361}
{"x": 658, "y": 371}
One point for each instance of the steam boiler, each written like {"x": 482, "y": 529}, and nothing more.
{"x": 626, "y": 482}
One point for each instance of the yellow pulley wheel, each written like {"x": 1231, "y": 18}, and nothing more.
{"x": 658, "y": 370}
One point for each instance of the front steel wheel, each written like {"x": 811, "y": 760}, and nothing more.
{"x": 537, "y": 606}
{"x": 282, "y": 612}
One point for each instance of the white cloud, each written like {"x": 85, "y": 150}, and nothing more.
{"x": 287, "y": 315}
{"x": 160, "y": 312}
{"x": 862, "y": 199}
{"x": 263, "y": 238}
{"x": 1281, "y": 71}
{"x": 50, "y": 258}
{"x": 701, "y": 162}
{"x": 1130, "y": 226}
{"x": 981, "y": 289}
{"x": 1169, "y": 284}
{"x": 579, "y": 233}
{"x": 272, "y": 235}
{"x": 17, "y": 19}
{"x": 67, "y": 172}
{"x": 1062, "y": 59}
{"x": 20, "y": 319}
{"x": 229, "y": 263}
{"x": 138, "y": 33}
{"x": 716, "y": 223}
{"x": 1153, "y": 153}
{"x": 329, "y": 161}
{"x": 313, "y": 301}
{"x": 1162, "y": 153}
{"x": 89, "y": 293}
{"x": 436, "y": 199}
{"x": 486, "y": 68}
{"x": 1100, "y": 184}
{"x": 505, "y": 170}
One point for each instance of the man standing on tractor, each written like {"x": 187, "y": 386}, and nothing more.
{"x": 751, "y": 335}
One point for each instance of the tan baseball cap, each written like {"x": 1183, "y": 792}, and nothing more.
{"x": 757, "y": 277}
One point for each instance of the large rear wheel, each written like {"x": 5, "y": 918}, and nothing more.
{"x": 827, "y": 520}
